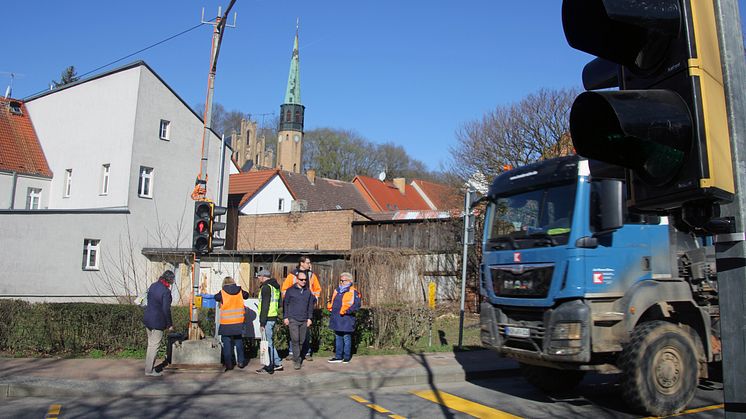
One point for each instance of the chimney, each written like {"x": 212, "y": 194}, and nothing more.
{"x": 311, "y": 175}
{"x": 400, "y": 182}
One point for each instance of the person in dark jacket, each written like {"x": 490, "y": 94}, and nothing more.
{"x": 157, "y": 318}
{"x": 342, "y": 307}
{"x": 297, "y": 310}
{"x": 232, "y": 312}
{"x": 269, "y": 305}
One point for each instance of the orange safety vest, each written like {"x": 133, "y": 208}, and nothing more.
{"x": 232, "y": 308}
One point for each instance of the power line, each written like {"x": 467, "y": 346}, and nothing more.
{"x": 127, "y": 56}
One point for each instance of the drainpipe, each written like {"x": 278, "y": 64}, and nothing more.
{"x": 13, "y": 191}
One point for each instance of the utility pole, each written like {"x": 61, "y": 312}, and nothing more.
{"x": 200, "y": 187}
{"x": 468, "y": 240}
{"x": 730, "y": 250}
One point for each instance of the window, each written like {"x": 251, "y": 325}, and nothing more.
{"x": 33, "y": 196}
{"x": 165, "y": 129}
{"x": 280, "y": 204}
{"x": 105, "y": 168}
{"x": 90, "y": 254}
{"x": 248, "y": 137}
{"x": 68, "y": 183}
{"x": 145, "y": 188}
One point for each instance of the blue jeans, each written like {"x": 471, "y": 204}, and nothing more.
{"x": 343, "y": 345}
{"x": 274, "y": 357}
{"x": 229, "y": 342}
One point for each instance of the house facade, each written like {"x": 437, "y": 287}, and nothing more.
{"x": 25, "y": 177}
{"x": 124, "y": 149}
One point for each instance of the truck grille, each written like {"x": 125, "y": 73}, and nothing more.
{"x": 527, "y": 319}
{"x": 525, "y": 280}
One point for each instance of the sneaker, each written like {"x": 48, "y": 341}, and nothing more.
{"x": 296, "y": 365}
{"x": 334, "y": 360}
{"x": 243, "y": 365}
{"x": 279, "y": 368}
{"x": 264, "y": 370}
{"x": 345, "y": 361}
{"x": 153, "y": 374}
{"x": 308, "y": 358}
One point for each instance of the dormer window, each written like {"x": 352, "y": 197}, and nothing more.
{"x": 15, "y": 108}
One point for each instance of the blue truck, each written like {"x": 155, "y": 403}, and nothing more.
{"x": 574, "y": 281}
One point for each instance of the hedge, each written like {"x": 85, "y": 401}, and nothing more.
{"x": 71, "y": 328}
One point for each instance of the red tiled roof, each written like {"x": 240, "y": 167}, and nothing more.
{"x": 249, "y": 183}
{"x": 20, "y": 150}
{"x": 384, "y": 196}
{"x": 443, "y": 197}
{"x": 325, "y": 194}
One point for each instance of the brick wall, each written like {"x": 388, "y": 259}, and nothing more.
{"x": 304, "y": 231}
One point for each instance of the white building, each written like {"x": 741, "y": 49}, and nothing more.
{"x": 124, "y": 150}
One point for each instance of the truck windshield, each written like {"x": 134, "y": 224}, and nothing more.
{"x": 532, "y": 219}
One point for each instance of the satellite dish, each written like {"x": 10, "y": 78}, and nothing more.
{"x": 382, "y": 176}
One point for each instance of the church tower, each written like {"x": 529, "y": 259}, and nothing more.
{"x": 290, "y": 137}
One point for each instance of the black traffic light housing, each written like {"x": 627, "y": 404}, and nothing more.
{"x": 204, "y": 238}
{"x": 667, "y": 124}
{"x": 201, "y": 232}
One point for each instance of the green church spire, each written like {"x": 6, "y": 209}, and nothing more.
{"x": 292, "y": 94}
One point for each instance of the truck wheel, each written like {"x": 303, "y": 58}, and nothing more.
{"x": 659, "y": 368}
{"x": 551, "y": 380}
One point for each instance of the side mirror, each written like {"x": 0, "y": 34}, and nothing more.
{"x": 609, "y": 210}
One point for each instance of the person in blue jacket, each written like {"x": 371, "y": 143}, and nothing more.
{"x": 342, "y": 307}
{"x": 157, "y": 318}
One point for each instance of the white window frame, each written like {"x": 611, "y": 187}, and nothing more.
{"x": 67, "y": 187}
{"x": 105, "y": 175}
{"x": 91, "y": 252}
{"x": 145, "y": 185}
{"x": 281, "y": 204}
{"x": 33, "y": 198}
{"x": 165, "y": 130}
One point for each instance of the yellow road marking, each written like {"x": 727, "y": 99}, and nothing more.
{"x": 54, "y": 410}
{"x": 690, "y": 411}
{"x": 358, "y": 399}
{"x": 378, "y": 408}
{"x": 375, "y": 407}
{"x": 462, "y": 405}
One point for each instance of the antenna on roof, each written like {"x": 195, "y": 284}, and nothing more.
{"x": 382, "y": 176}
{"x": 9, "y": 90}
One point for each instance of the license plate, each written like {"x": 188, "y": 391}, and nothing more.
{"x": 519, "y": 332}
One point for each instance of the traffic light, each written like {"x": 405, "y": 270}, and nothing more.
{"x": 216, "y": 226}
{"x": 202, "y": 219}
{"x": 667, "y": 124}
{"x": 206, "y": 227}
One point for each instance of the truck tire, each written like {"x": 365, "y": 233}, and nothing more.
{"x": 551, "y": 380}
{"x": 659, "y": 368}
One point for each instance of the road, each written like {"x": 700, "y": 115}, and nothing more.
{"x": 506, "y": 396}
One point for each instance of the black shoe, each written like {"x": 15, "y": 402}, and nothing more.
{"x": 345, "y": 361}
{"x": 228, "y": 368}
{"x": 308, "y": 358}
{"x": 265, "y": 370}
{"x": 334, "y": 360}
{"x": 243, "y": 365}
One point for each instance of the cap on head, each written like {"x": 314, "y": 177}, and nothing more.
{"x": 263, "y": 272}
{"x": 168, "y": 276}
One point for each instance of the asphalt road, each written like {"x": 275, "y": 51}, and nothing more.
{"x": 501, "y": 397}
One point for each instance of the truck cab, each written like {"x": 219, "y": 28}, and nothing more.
{"x": 569, "y": 275}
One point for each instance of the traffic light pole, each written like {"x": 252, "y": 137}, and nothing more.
{"x": 731, "y": 248}
{"x": 195, "y": 333}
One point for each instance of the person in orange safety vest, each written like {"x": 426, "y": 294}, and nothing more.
{"x": 232, "y": 311}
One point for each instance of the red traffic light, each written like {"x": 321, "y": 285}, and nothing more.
{"x": 201, "y": 226}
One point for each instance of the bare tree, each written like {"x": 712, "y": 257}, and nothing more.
{"x": 535, "y": 128}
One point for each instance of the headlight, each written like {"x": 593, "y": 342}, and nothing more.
{"x": 566, "y": 331}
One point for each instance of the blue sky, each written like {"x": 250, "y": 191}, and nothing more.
{"x": 409, "y": 72}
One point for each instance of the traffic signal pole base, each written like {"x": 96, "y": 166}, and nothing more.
{"x": 195, "y": 332}
{"x": 205, "y": 352}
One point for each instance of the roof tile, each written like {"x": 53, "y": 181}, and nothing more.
{"x": 20, "y": 150}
